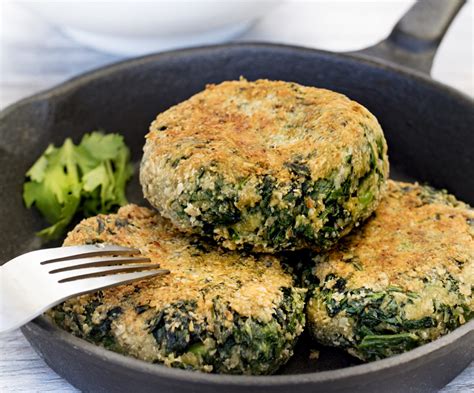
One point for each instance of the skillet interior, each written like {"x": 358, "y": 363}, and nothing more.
{"x": 428, "y": 127}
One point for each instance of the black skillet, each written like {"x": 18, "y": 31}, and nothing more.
{"x": 429, "y": 128}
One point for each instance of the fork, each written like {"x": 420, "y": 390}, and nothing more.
{"x": 34, "y": 282}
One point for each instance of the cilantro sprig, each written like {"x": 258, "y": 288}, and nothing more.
{"x": 87, "y": 178}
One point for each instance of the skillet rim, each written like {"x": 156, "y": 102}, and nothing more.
{"x": 43, "y": 325}
{"x": 358, "y": 57}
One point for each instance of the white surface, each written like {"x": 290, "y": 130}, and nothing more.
{"x": 35, "y": 56}
{"x": 136, "y": 27}
{"x": 137, "y": 46}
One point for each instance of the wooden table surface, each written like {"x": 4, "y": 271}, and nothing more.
{"x": 35, "y": 56}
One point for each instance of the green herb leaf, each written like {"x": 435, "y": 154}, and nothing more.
{"x": 88, "y": 178}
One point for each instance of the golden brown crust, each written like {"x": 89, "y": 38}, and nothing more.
{"x": 412, "y": 232}
{"x": 254, "y": 128}
{"x": 250, "y": 284}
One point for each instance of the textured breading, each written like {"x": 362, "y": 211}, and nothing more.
{"x": 217, "y": 311}
{"x": 403, "y": 279}
{"x": 265, "y": 165}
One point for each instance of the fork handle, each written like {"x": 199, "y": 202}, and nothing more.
{"x": 15, "y": 311}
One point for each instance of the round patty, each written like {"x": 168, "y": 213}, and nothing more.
{"x": 404, "y": 279}
{"x": 217, "y": 311}
{"x": 266, "y": 165}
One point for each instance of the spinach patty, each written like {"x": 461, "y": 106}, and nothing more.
{"x": 405, "y": 278}
{"x": 217, "y": 311}
{"x": 265, "y": 166}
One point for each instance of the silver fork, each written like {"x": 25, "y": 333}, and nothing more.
{"x": 33, "y": 282}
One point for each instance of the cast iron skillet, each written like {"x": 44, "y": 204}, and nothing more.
{"x": 429, "y": 131}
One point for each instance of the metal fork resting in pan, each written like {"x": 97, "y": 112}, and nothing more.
{"x": 36, "y": 281}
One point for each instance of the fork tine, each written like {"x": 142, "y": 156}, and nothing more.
{"x": 79, "y": 287}
{"x": 102, "y": 271}
{"x": 77, "y": 252}
{"x": 58, "y": 267}
{"x": 70, "y": 252}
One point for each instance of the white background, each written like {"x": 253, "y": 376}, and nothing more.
{"x": 35, "y": 55}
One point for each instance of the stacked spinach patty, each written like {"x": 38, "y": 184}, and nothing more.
{"x": 216, "y": 311}
{"x": 243, "y": 171}
{"x": 405, "y": 278}
{"x": 265, "y": 166}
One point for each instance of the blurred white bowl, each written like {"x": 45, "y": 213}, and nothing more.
{"x": 139, "y": 27}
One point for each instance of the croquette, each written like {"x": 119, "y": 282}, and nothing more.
{"x": 265, "y": 166}
{"x": 403, "y": 279}
{"x": 217, "y": 311}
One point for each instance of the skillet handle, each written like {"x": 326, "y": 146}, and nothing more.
{"x": 415, "y": 38}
